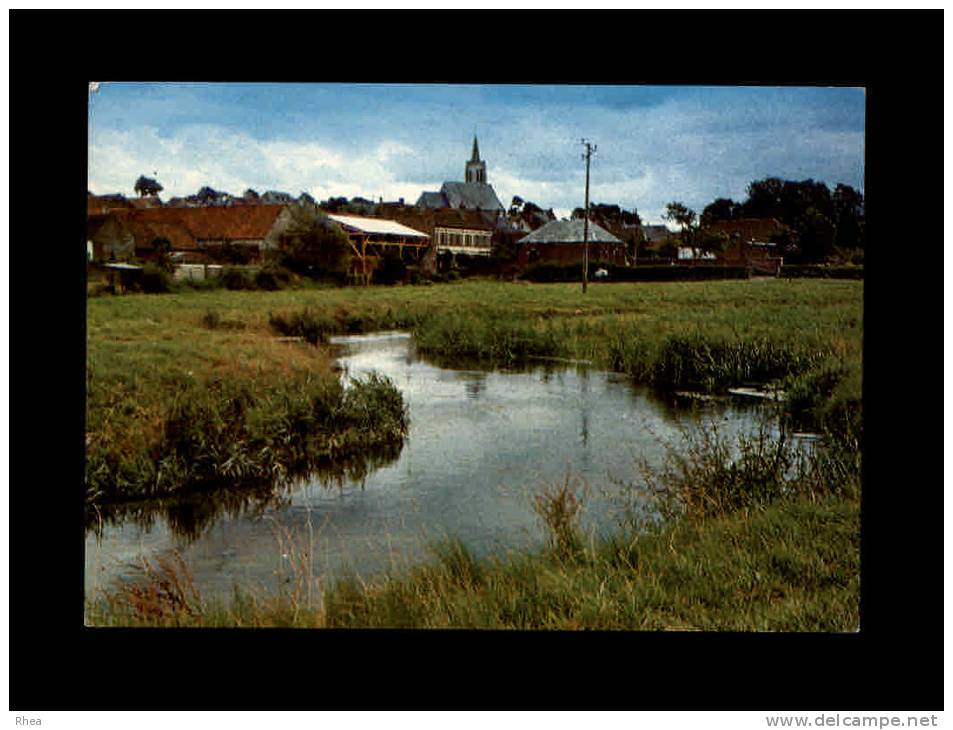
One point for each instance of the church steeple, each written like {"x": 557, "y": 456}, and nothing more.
{"x": 476, "y": 168}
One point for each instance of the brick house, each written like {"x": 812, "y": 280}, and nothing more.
{"x": 749, "y": 243}
{"x": 123, "y": 232}
{"x": 561, "y": 243}
{"x": 108, "y": 238}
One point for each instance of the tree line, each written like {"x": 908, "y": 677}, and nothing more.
{"x": 817, "y": 221}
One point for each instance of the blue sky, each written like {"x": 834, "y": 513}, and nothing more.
{"x": 655, "y": 143}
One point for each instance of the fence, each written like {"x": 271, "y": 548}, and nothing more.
{"x": 196, "y": 272}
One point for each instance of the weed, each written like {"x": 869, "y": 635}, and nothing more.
{"x": 559, "y": 507}
{"x": 707, "y": 475}
{"x": 163, "y": 590}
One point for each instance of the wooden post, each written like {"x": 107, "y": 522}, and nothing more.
{"x": 585, "y": 224}
{"x": 364, "y": 259}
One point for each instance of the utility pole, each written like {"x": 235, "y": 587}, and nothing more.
{"x": 590, "y": 148}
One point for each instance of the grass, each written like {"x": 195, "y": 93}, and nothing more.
{"x": 183, "y": 397}
{"x": 755, "y": 537}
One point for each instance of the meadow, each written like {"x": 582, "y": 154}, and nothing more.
{"x": 190, "y": 390}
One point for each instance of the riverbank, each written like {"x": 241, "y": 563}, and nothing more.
{"x": 711, "y": 336}
{"x": 179, "y": 401}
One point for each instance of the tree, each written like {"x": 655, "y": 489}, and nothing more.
{"x": 147, "y": 186}
{"x": 721, "y": 209}
{"x": 816, "y": 235}
{"x": 516, "y": 205}
{"x": 313, "y": 245}
{"x": 764, "y": 198}
{"x": 683, "y": 216}
{"x": 208, "y": 196}
{"x": 849, "y": 216}
{"x": 250, "y": 194}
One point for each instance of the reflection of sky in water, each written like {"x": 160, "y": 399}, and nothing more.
{"x": 480, "y": 445}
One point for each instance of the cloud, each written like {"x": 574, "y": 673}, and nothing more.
{"x": 199, "y": 155}
{"x": 670, "y": 144}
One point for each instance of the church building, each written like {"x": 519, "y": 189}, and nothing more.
{"x": 473, "y": 194}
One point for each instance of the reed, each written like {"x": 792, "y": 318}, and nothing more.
{"x": 235, "y": 433}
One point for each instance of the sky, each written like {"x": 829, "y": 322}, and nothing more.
{"x": 654, "y": 144}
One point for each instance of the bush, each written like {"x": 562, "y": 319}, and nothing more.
{"x": 154, "y": 280}
{"x": 709, "y": 475}
{"x": 390, "y": 270}
{"x": 213, "y": 282}
{"x": 272, "y": 278}
{"x": 236, "y": 279}
{"x": 306, "y": 324}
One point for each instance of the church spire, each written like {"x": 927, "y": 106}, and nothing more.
{"x": 476, "y": 168}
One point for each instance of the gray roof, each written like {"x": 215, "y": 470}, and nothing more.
{"x": 471, "y": 195}
{"x": 569, "y": 232}
{"x": 655, "y": 233}
{"x": 432, "y": 200}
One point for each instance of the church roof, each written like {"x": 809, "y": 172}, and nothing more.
{"x": 475, "y": 157}
{"x": 569, "y": 232}
{"x": 432, "y": 200}
{"x": 471, "y": 195}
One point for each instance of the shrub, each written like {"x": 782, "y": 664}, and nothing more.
{"x": 236, "y": 279}
{"x": 559, "y": 507}
{"x": 390, "y": 270}
{"x": 214, "y": 321}
{"x": 154, "y": 280}
{"x": 307, "y": 324}
{"x": 272, "y": 278}
{"x": 710, "y": 476}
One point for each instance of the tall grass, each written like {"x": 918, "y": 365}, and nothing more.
{"x": 236, "y": 433}
{"x": 708, "y": 475}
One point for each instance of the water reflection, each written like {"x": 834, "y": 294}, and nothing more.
{"x": 188, "y": 517}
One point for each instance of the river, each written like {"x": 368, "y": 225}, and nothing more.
{"x": 481, "y": 443}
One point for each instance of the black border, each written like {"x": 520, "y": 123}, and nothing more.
{"x": 894, "y": 663}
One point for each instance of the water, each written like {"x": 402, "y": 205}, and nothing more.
{"x": 481, "y": 443}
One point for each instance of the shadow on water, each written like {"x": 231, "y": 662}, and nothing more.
{"x": 191, "y": 515}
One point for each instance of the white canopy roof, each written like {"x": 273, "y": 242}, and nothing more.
{"x": 379, "y": 226}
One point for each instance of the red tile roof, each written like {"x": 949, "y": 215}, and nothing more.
{"x": 184, "y": 227}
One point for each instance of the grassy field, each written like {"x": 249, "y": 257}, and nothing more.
{"x": 779, "y": 559}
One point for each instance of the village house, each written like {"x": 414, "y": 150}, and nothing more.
{"x": 561, "y": 243}
{"x": 450, "y": 230}
{"x": 656, "y": 236}
{"x": 195, "y": 235}
{"x": 101, "y": 204}
{"x": 108, "y": 238}
{"x": 748, "y": 243}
